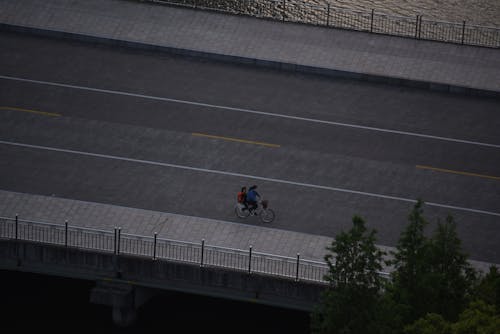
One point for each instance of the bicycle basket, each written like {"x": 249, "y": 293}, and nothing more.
{"x": 264, "y": 204}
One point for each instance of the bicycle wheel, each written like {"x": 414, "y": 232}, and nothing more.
{"x": 267, "y": 215}
{"x": 240, "y": 212}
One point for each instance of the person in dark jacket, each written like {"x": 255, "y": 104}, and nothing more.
{"x": 252, "y": 197}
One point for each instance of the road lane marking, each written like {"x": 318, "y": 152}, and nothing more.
{"x": 31, "y": 111}
{"x": 250, "y": 111}
{"x": 457, "y": 172}
{"x": 213, "y": 171}
{"x": 235, "y": 139}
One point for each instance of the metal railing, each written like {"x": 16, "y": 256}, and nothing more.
{"x": 328, "y": 16}
{"x": 158, "y": 248}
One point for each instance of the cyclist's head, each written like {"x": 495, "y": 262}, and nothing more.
{"x": 253, "y": 187}
{"x": 243, "y": 189}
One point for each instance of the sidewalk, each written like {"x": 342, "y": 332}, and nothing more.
{"x": 168, "y": 226}
{"x": 295, "y": 47}
{"x": 141, "y": 222}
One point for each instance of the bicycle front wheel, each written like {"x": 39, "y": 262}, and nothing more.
{"x": 267, "y": 215}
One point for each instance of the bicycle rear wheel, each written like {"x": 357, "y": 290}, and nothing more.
{"x": 267, "y": 215}
{"x": 241, "y": 212}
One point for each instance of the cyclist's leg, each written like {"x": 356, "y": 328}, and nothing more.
{"x": 252, "y": 206}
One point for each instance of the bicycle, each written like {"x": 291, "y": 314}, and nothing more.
{"x": 265, "y": 214}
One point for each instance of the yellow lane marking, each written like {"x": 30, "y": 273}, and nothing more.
{"x": 235, "y": 139}
{"x": 458, "y": 172}
{"x": 31, "y": 111}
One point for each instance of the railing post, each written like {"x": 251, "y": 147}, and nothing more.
{"x": 18, "y": 251}
{"x": 118, "y": 241}
{"x": 202, "y": 251}
{"x": 154, "y": 247}
{"x": 114, "y": 241}
{"x": 463, "y": 32}
{"x": 328, "y": 15}
{"x": 16, "y": 226}
{"x": 297, "y": 270}
{"x": 66, "y": 233}
{"x": 419, "y": 26}
{"x": 250, "y": 260}
{"x": 284, "y": 7}
{"x": 416, "y": 27}
{"x": 371, "y": 20}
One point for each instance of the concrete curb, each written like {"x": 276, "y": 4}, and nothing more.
{"x": 427, "y": 85}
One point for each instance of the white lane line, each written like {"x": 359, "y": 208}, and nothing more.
{"x": 213, "y": 171}
{"x": 250, "y": 111}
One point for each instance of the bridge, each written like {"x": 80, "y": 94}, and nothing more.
{"x": 129, "y": 269}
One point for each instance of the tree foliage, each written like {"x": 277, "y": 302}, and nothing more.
{"x": 411, "y": 286}
{"x": 450, "y": 274}
{"x": 430, "y": 290}
{"x": 478, "y": 318}
{"x": 488, "y": 288}
{"x": 432, "y": 323}
{"x": 354, "y": 263}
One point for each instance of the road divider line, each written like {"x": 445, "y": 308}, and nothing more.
{"x": 31, "y": 111}
{"x": 247, "y": 176}
{"x": 451, "y": 171}
{"x": 235, "y": 140}
{"x": 255, "y": 112}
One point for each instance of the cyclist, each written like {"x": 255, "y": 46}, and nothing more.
{"x": 242, "y": 197}
{"x": 252, "y": 197}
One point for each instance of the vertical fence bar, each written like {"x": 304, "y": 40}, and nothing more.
{"x": 250, "y": 260}
{"x": 66, "y": 233}
{"x": 297, "y": 270}
{"x": 419, "y": 26}
{"x": 202, "y": 251}
{"x": 416, "y": 27}
{"x": 371, "y": 20}
{"x": 114, "y": 241}
{"x": 463, "y": 32}
{"x": 16, "y": 226}
{"x": 328, "y": 15}
{"x": 283, "y": 11}
{"x": 154, "y": 247}
{"x": 118, "y": 242}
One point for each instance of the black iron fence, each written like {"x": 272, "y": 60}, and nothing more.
{"x": 328, "y": 16}
{"x": 116, "y": 242}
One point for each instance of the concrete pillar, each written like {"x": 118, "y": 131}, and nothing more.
{"x": 124, "y": 316}
{"x": 124, "y": 298}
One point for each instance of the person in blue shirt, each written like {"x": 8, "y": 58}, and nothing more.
{"x": 252, "y": 197}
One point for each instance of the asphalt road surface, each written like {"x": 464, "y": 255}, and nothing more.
{"x": 180, "y": 135}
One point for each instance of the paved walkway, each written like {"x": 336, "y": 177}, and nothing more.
{"x": 170, "y": 226}
{"x": 433, "y": 65}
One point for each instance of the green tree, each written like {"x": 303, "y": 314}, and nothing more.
{"x": 410, "y": 283}
{"x": 348, "y": 305}
{"x": 488, "y": 288}
{"x": 450, "y": 273}
{"x": 432, "y": 323}
{"x": 478, "y": 318}
{"x": 432, "y": 275}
